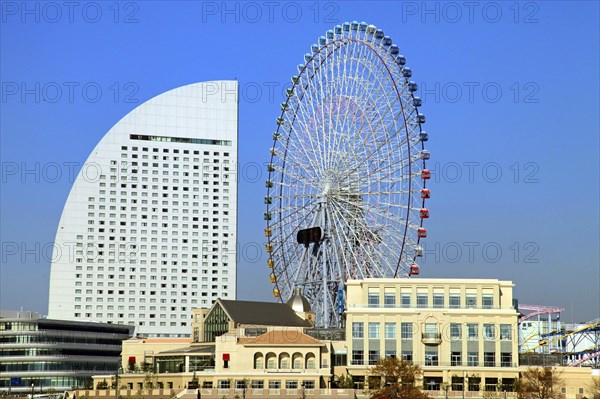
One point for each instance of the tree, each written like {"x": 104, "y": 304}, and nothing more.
{"x": 594, "y": 388}
{"x": 345, "y": 381}
{"x": 398, "y": 379}
{"x": 539, "y": 383}
{"x": 102, "y": 384}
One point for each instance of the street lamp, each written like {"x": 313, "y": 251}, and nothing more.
{"x": 32, "y": 386}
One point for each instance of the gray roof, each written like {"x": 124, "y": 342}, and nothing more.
{"x": 263, "y": 314}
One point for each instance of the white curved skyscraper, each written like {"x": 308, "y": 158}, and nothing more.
{"x": 149, "y": 230}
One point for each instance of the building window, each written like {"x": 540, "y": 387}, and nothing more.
{"x": 373, "y": 330}
{"x": 389, "y": 300}
{"x": 390, "y": 330}
{"x": 471, "y": 300}
{"x": 454, "y": 301}
{"x": 373, "y": 299}
{"x": 407, "y": 356}
{"x": 505, "y": 332}
{"x": 487, "y": 301}
{"x": 291, "y": 384}
{"x": 390, "y": 353}
{"x": 421, "y": 300}
{"x": 431, "y": 330}
{"x": 472, "y": 333}
{"x": 406, "y": 331}
{"x": 257, "y": 384}
{"x": 358, "y": 357}
{"x": 223, "y": 384}
{"x": 274, "y": 384}
{"x": 456, "y": 359}
{"x": 431, "y": 358}
{"x": 373, "y": 357}
{"x": 438, "y": 300}
{"x": 358, "y": 330}
{"x": 308, "y": 384}
{"x": 489, "y": 359}
{"x": 506, "y": 359}
{"x": 455, "y": 331}
{"x": 472, "y": 359}
{"x": 489, "y": 332}
{"x": 405, "y": 298}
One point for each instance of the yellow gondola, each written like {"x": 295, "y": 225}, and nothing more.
{"x": 276, "y": 293}
{"x": 270, "y": 263}
{"x": 269, "y": 248}
{"x": 272, "y": 278}
{"x": 268, "y": 232}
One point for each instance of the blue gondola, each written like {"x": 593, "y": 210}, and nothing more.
{"x": 346, "y": 26}
{"x": 423, "y": 136}
{"x": 394, "y": 49}
{"x": 417, "y": 102}
{"x": 379, "y": 34}
{"x": 322, "y": 41}
{"x": 362, "y": 27}
{"x": 338, "y": 29}
{"x": 307, "y": 57}
{"x": 330, "y": 34}
{"x": 412, "y": 87}
{"x": 354, "y": 25}
{"x": 401, "y": 60}
{"x": 425, "y": 155}
{"x": 406, "y": 72}
{"x": 420, "y": 118}
{"x": 387, "y": 41}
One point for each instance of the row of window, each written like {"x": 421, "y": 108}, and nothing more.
{"x": 298, "y": 361}
{"x": 436, "y": 300}
{"x": 260, "y": 384}
{"x": 453, "y": 331}
{"x": 472, "y": 359}
{"x": 174, "y": 140}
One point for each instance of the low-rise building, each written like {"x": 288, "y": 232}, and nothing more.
{"x": 39, "y": 354}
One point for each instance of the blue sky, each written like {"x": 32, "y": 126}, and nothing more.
{"x": 511, "y": 94}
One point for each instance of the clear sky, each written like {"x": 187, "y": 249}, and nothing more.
{"x": 511, "y": 94}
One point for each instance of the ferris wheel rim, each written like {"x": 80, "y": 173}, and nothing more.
{"x": 406, "y": 133}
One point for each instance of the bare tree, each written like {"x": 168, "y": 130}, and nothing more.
{"x": 398, "y": 379}
{"x": 594, "y": 388}
{"x": 540, "y": 383}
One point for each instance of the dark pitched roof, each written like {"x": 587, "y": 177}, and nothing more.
{"x": 263, "y": 313}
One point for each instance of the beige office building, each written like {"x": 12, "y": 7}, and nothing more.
{"x": 456, "y": 330}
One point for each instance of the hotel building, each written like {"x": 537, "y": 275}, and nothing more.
{"x": 149, "y": 229}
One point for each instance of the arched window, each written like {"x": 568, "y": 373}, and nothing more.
{"x": 259, "y": 362}
{"x": 297, "y": 361}
{"x": 284, "y": 360}
{"x": 310, "y": 361}
{"x": 271, "y": 360}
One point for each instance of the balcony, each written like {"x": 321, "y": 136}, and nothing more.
{"x": 431, "y": 338}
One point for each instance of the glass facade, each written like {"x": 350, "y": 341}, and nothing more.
{"x": 53, "y": 354}
{"x": 216, "y": 324}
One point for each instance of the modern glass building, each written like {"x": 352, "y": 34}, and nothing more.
{"x": 149, "y": 229}
{"x": 43, "y": 354}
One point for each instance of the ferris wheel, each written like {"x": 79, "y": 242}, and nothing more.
{"x": 346, "y": 179}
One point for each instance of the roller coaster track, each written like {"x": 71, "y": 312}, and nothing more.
{"x": 567, "y": 334}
